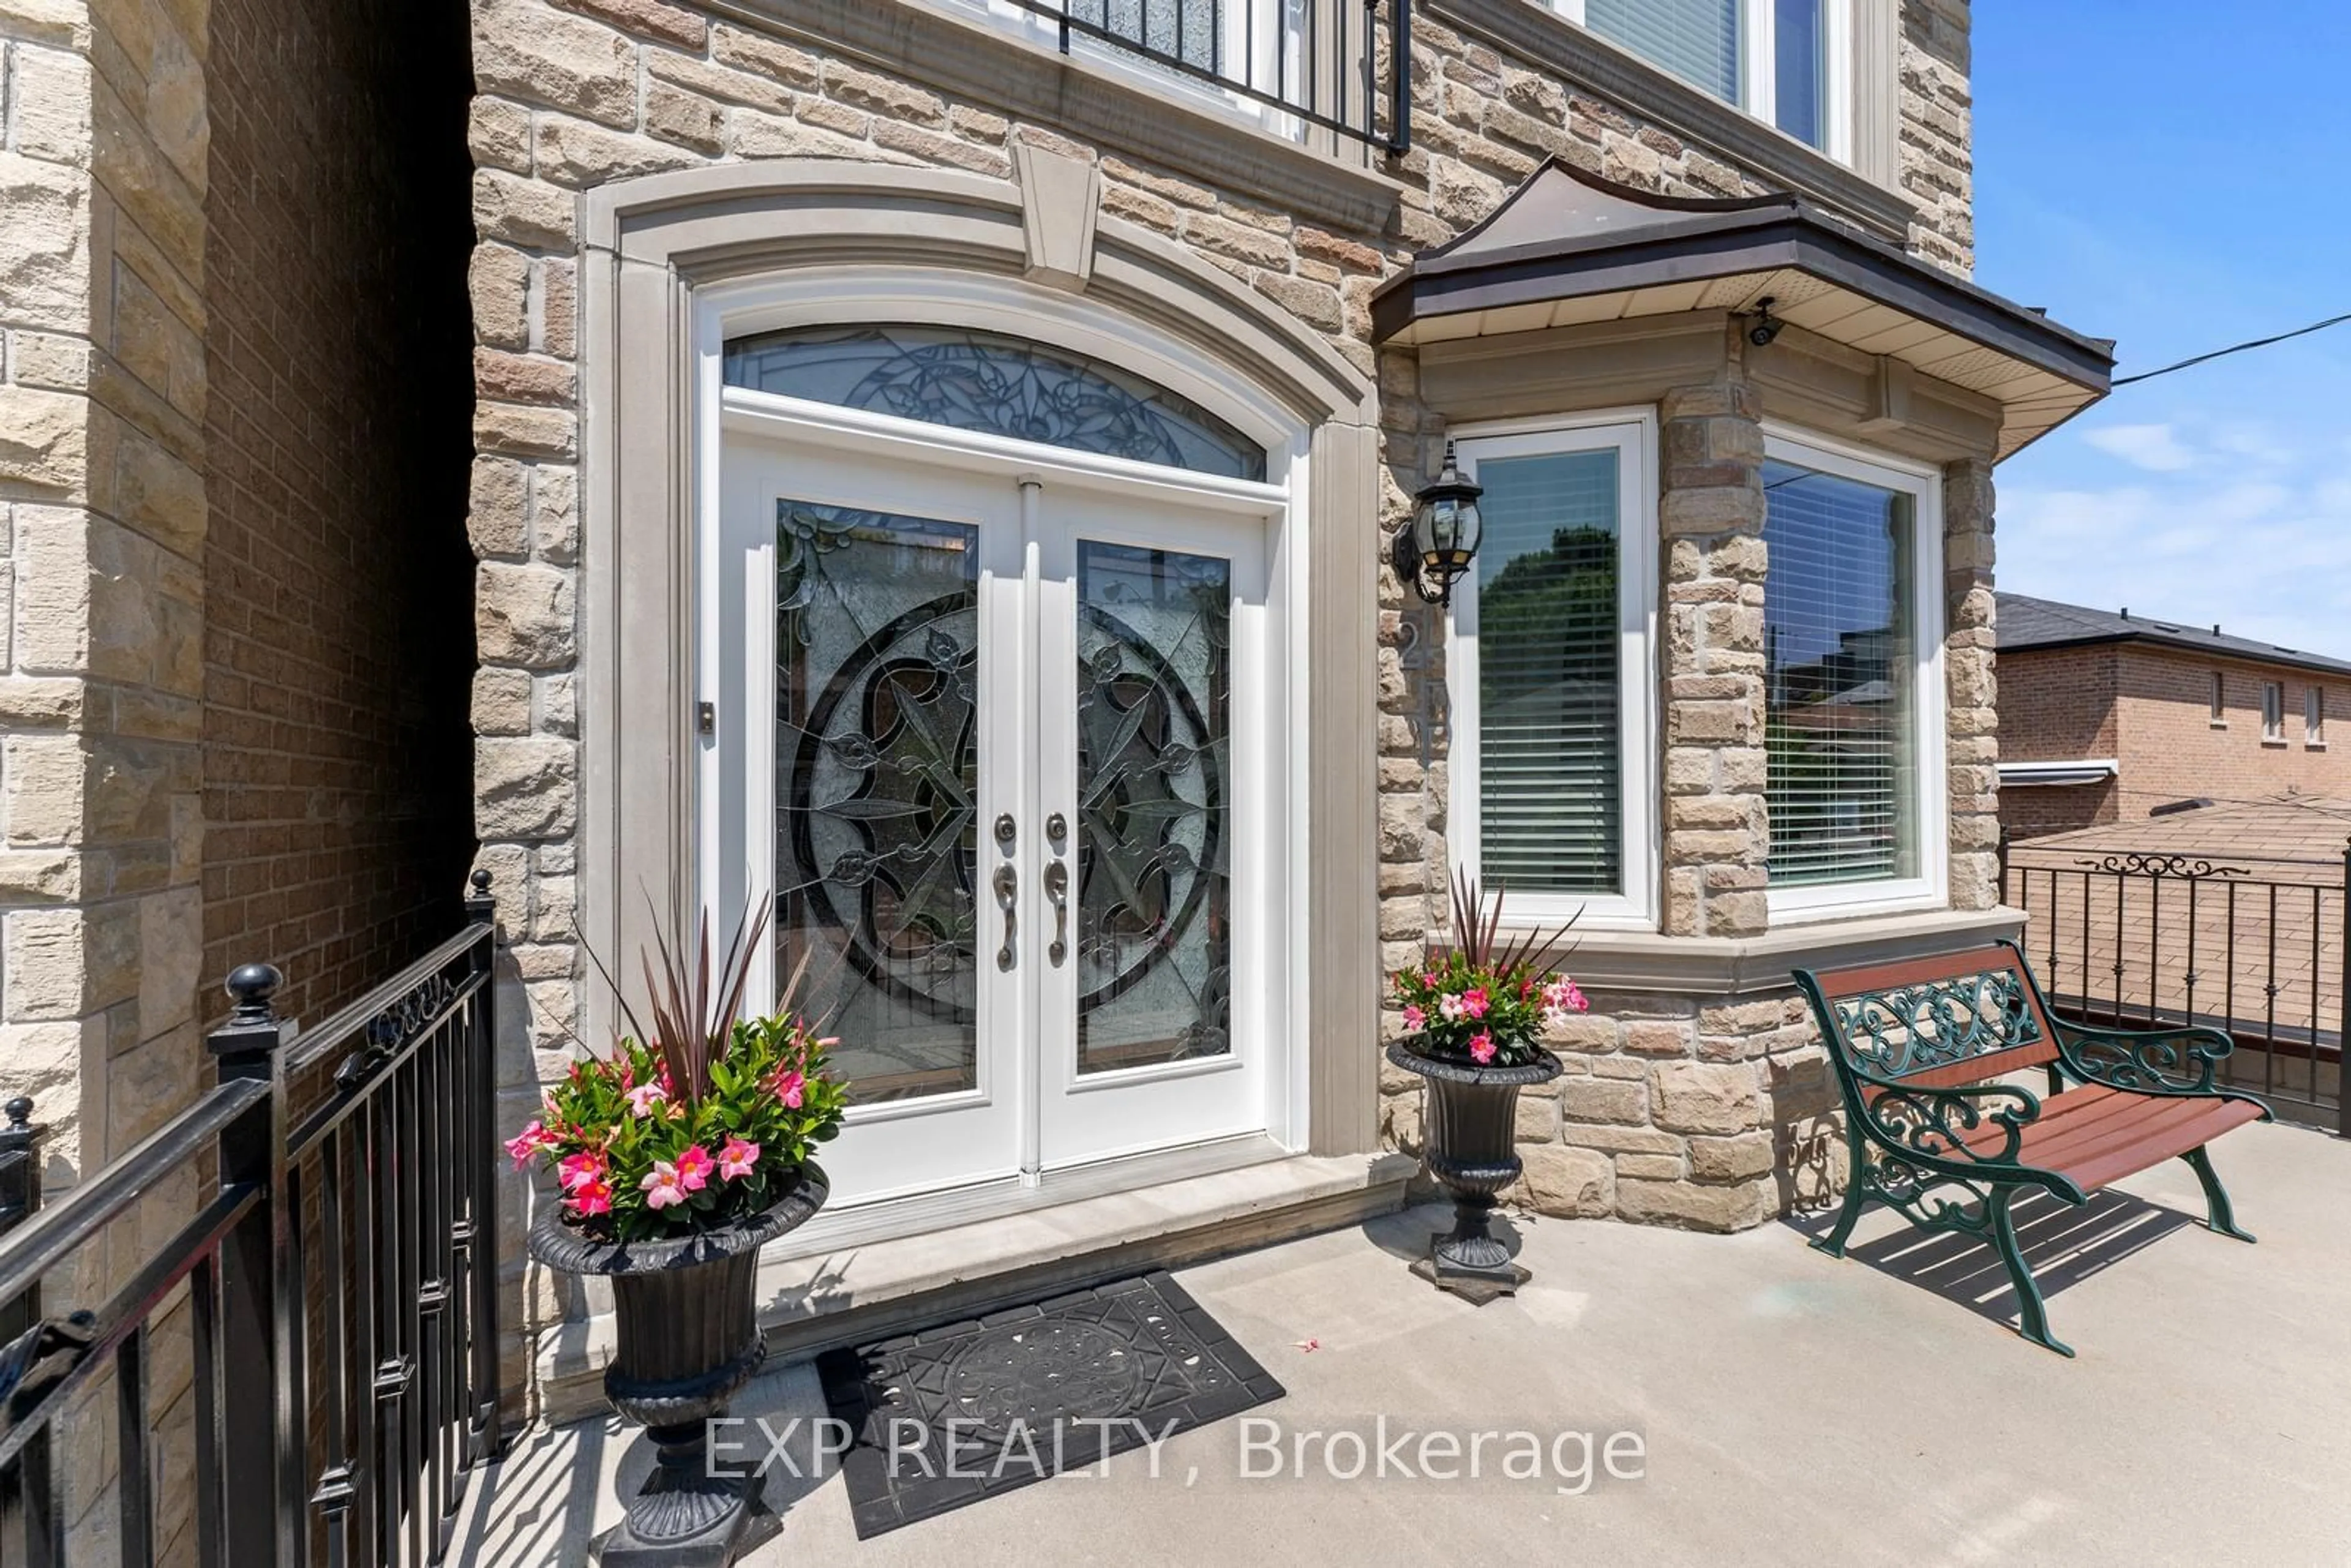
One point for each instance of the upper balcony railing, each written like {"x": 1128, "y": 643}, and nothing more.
{"x": 1342, "y": 67}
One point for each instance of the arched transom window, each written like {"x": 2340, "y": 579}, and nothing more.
{"x": 991, "y": 382}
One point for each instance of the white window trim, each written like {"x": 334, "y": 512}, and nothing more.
{"x": 2273, "y": 713}
{"x": 1631, "y": 433}
{"x": 1931, "y": 889}
{"x": 1759, "y": 81}
{"x": 2314, "y": 717}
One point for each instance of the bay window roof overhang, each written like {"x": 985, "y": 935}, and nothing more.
{"x": 1568, "y": 247}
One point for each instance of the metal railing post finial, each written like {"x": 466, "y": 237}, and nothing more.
{"x": 20, "y": 1177}
{"x": 253, "y": 1032}
{"x": 479, "y": 904}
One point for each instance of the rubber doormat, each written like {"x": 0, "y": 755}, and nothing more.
{"x": 962, "y": 1412}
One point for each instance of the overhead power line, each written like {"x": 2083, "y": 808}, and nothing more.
{"x": 2234, "y": 349}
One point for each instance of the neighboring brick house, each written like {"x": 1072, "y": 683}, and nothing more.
{"x": 2106, "y": 717}
{"x": 835, "y": 365}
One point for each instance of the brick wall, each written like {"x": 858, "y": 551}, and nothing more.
{"x": 2171, "y": 750}
{"x": 337, "y": 829}
{"x": 2150, "y": 708}
{"x": 2057, "y": 705}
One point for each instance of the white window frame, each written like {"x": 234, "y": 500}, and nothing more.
{"x": 2273, "y": 713}
{"x": 1631, "y": 433}
{"x": 1930, "y": 887}
{"x": 1758, "y": 80}
{"x": 2219, "y": 700}
{"x": 2314, "y": 717}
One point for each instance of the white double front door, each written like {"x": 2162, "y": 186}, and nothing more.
{"x": 995, "y": 732}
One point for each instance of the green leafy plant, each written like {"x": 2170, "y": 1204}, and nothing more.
{"x": 1486, "y": 999}
{"x": 698, "y": 1122}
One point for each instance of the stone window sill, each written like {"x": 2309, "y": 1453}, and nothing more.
{"x": 966, "y": 57}
{"x": 1730, "y": 966}
{"x": 1531, "y": 32}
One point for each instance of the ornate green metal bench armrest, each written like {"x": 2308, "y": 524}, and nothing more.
{"x": 1925, "y": 1126}
{"x": 2146, "y": 1061}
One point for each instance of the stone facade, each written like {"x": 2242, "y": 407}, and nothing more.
{"x": 1675, "y": 1109}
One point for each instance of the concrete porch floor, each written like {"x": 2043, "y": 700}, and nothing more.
{"x": 1793, "y": 1408}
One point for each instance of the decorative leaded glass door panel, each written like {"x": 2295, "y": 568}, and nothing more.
{"x": 1151, "y": 694}
{"x": 871, "y": 650}
{"x": 992, "y": 737}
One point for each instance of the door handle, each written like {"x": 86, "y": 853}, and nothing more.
{"x": 1008, "y": 894}
{"x": 1057, "y": 888}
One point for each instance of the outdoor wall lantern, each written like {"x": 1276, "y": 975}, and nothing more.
{"x": 1441, "y": 541}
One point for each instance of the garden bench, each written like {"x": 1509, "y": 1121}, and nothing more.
{"x": 1915, "y": 1045}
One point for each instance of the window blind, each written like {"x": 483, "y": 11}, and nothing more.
{"x": 1697, "y": 40}
{"x": 1550, "y": 694}
{"x": 1839, "y": 673}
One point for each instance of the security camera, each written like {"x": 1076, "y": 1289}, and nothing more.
{"x": 1765, "y": 328}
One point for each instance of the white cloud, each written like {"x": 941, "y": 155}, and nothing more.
{"x": 2261, "y": 544}
{"x": 2154, "y": 447}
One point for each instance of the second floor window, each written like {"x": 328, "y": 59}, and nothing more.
{"x": 2219, "y": 700}
{"x": 2273, "y": 710}
{"x": 1774, "y": 59}
{"x": 2313, "y": 716}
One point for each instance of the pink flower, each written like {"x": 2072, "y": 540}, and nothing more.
{"x": 592, "y": 1197}
{"x": 1561, "y": 995}
{"x": 737, "y": 1158}
{"x": 581, "y": 1169}
{"x": 1481, "y": 1048}
{"x": 1449, "y": 1008}
{"x": 644, "y": 1097}
{"x": 1428, "y": 978}
{"x": 1474, "y": 1002}
{"x": 529, "y": 1142}
{"x": 1414, "y": 1019}
{"x": 693, "y": 1168}
{"x": 791, "y": 1086}
{"x": 662, "y": 1187}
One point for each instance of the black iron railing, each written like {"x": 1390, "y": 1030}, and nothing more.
{"x": 2255, "y": 949}
{"x": 335, "y": 1287}
{"x": 1343, "y": 66}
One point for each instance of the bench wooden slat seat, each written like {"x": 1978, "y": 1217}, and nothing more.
{"x": 1919, "y": 1050}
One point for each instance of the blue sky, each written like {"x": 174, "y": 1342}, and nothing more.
{"x": 2171, "y": 176}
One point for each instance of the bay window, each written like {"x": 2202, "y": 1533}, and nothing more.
{"x": 1786, "y": 62}
{"x": 1853, "y": 699}
{"x": 1550, "y": 673}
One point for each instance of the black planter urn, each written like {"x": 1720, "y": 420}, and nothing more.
{"x": 1469, "y": 1123}
{"x": 686, "y": 1316}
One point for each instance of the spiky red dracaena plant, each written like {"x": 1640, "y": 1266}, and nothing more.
{"x": 1477, "y": 925}
{"x": 688, "y": 1031}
